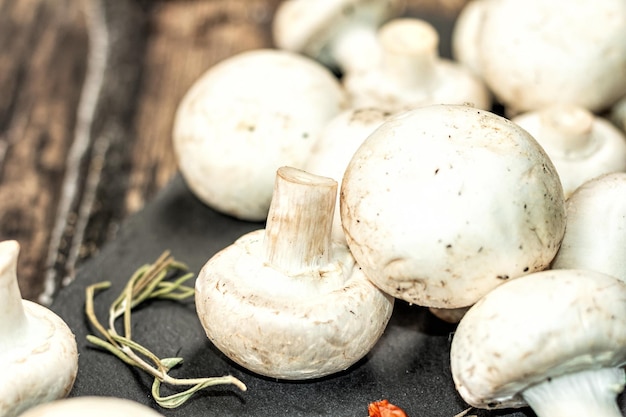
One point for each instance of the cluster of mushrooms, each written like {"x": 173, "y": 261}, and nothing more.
{"x": 397, "y": 181}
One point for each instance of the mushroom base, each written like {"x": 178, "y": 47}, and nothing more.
{"x": 581, "y": 394}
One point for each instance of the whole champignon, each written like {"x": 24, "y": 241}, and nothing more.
{"x": 340, "y": 34}
{"x": 535, "y": 53}
{"x": 443, "y": 203}
{"x": 411, "y": 73}
{"x": 244, "y": 118}
{"x": 337, "y": 143}
{"x": 92, "y": 406}
{"x": 38, "y": 350}
{"x": 595, "y": 237}
{"x": 554, "y": 340}
{"x": 581, "y": 145}
{"x": 285, "y": 302}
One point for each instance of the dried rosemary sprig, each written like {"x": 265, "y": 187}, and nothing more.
{"x": 149, "y": 282}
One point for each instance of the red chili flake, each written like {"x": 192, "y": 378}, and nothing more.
{"x": 383, "y": 408}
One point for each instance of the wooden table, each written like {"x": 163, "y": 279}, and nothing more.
{"x": 88, "y": 92}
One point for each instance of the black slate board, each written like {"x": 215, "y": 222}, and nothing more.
{"x": 409, "y": 366}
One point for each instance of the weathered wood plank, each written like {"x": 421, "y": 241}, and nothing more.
{"x": 110, "y": 92}
{"x": 43, "y": 45}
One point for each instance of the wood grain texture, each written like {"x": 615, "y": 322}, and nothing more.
{"x": 43, "y": 45}
{"x": 88, "y": 93}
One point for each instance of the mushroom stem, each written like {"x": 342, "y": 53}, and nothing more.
{"x": 356, "y": 49}
{"x": 582, "y": 394}
{"x": 11, "y": 306}
{"x": 567, "y": 130}
{"x": 409, "y": 51}
{"x": 299, "y": 223}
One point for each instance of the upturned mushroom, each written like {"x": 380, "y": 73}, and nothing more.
{"x": 340, "y": 34}
{"x": 38, "y": 350}
{"x": 337, "y": 143}
{"x": 285, "y": 301}
{"x": 553, "y": 340}
{"x": 595, "y": 237}
{"x": 92, "y": 406}
{"x": 411, "y": 73}
{"x": 581, "y": 145}
{"x": 535, "y": 53}
{"x": 443, "y": 203}
{"x": 244, "y": 118}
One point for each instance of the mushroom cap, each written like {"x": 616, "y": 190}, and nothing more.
{"x": 308, "y": 27}
{"x": 466, "y": 34}
{"x": 443, "y": 203}
{"x": 535, "y": 53}
{"x": 595, "y": 237}
{"x": 42, "y": 364}
{"x": 244, "y": 118}
{"x": 285, "y": 327}
{"x": 581, "y": 145}
{"x": 547, "y": 324}
{"x": 337, "y": 143}
{"x": 92, "y": 406}
{"x": 341, "y": 138}
{"x": 450, "y": 315}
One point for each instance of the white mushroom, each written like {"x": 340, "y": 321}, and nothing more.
{"x": 411, "y": 73}
{"x": 595, "y": 237}
{"x": 443, "y": 203}
{"x": 285, "y": 302}
{"x": 38, "y": 350}
{"x": 337, "y": 143}
{"x": 341, "y": 34}
{"x": 536, "y": 53}
{"x": 92, "y": 406}
{"x": 244, "y": 118}
{"x": 581, "y": 145}
{"x": 553, "y": 340}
